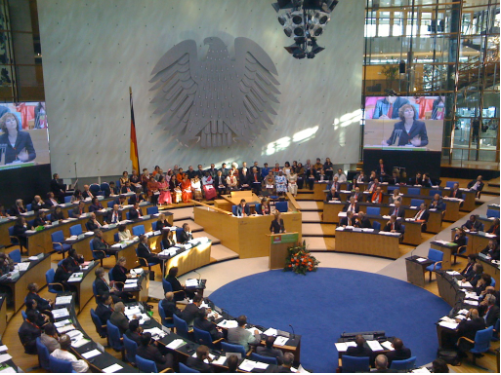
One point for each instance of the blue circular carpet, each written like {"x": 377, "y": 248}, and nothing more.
{"x": 324, "y": 304}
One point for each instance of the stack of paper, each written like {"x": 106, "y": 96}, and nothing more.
{"x": 281, "y": 341}
{"x": 253, "y": 329}
{"x": 23, "y": 266}
{"x": 91, "y": 354}
{"x": 465, "y": 284}
{"x": 176, "y": 344}
{"x": 343, "y": 346}
{"x": 156, "y": 333}
{"x": 449, "y": 325}
{"x": 387, "y": 345}
{"x": 421, "y": 370}
{"x": 80, "y": 342}
{"x": 7, "y": 369}
{"x": 113, "y": 368}
{"x": 220, "y": 361}
{"x": 3, "y": 348}
{"x": 421, "y": 260}
{"x": 75, "y": 335}
{"x": 130, "y": 284}
{"x": 470, "y": 302}
{"x": 375, "y": 345}
{"x": 228, "y": 324}
{"x": 77, "y": 276}
{"x": 5, "y": 357}
{"x": 271, "y": 332}
{"x": 65, "y": 328}
{"x": 60, "y": 313}
{"x": 453, "y": 273}
{"x": 247, "y": 365}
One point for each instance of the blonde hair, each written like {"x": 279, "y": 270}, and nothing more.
{"x": 3, "y": 120}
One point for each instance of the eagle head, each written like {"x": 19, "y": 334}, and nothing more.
{"x": 216, "y": 46}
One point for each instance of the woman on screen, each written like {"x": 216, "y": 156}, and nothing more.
{"x": 15, "y": 143}
{"x": 408, "y": 131}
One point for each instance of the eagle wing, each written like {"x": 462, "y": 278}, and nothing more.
{"x": 175, "y": 76}
{"x": 257, "y": 86}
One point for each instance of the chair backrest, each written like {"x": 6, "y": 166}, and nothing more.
{"x": 493, "y": 281}
{"x": 59, "y": 366}
{"x": 105, "y": 187}
{"x": 492, "y": 213}
{"x": 435, "y": 255}
{"x": 76, "y": 230}
{"x": 31, "y": 223}
{"x": 450, "y": 184}
{"x": 404, "y": 364}
{"x": 376, "y": 225}
{"x": 111, "y": 204}
{"x": 234, "y": 209}
{"x": 181, "y": 327}
{"x": 94, "y": 188}
{"x": 282, "y": 206}
{"x": 178, "y": 232}
{"x": 138, "y": 230}
{"x": 154, "y": 226}
{"x": 416, "y": 202}
{"x": 355, "y": 364}
{"x": 482, "y": 340}
{"x": 185, "y": 369}
{"x": 15, "y": 255}
{"x": 29, "y": 206}
{"x": 127, "y": 216}
{"x": 146, "y": 365}
{"x": 114, "y": 336}
{"x": 376, "y": 211}
{"x": 49, "y": 277}
{"x": 391, "y": 188}
{"x": 43, "y": 355}
{"x": 414, "y": 191}
{"x": 49, "y": 217}
{"x": 161, "y": 312}
{"x": 116, "y": 238}
{"x": 67, "y": 199}
{"x": 203, "y": 337}
{"x": 152, "y": 210}
{"x": 130, "y": 349}
{"x": 258, "y": 208}
{"x": 57, "y": 236}
{"x": 233, "y": 348}
{"x": 403, "y": 228}
{"x": 432, "y": 193}
{"x": 263, "y": 358}
{"x": 97, "y": 322}
{"x": 23, "y": 314}
{"x": 167, "y": 286}
{"x": 94, "y": 289}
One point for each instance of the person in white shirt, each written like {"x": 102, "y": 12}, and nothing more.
{"x": 341, "y": 177}
{"x": 79, "y": 365}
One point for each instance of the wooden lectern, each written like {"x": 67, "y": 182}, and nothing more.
{"x": 279, "y": 243}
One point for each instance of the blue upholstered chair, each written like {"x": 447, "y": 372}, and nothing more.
{"x": 263, "y": 358}
{"x": 60, "y": 366}
{"x": 416, "y": 202}
{"x": 15, "y": 255}
{"x": 282, "y": 206}
{"x": 115, "y": 338}
{"x": 450, "y": 184}
{"x": 181, "y": 327}
{"x": 76, "y": 230}
{"x": 168, "y": 322}
{"x": 43, "y": 355}
{"x": 51, "y": 285}
{"x": 414, "y": 191}
{"x": 185, "y": 369}
{"x": 404, "y": 364}
{"x": 436, "y": 257}
{"x": 233, "y": 348}
{"x": 205, "y": 338}
{"x": 374, "y": 211}
{"x": 481, "y": 344}
{"x": 58, "y": 242}
{"x": 492, "y": 213}
{"x": 100, "y": 327}
{"x": 355, "y": 364}
{"x": 130, "y": 349}
{"x": 138, "y": 230}
{"x": 376, "y": 225}
{"x": 152, "y": 210}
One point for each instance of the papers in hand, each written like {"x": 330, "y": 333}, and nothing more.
{"x": 60, "y": 313}
{"x": 176, "y": 344}
{"x": 375, "y": 345}
{"x": 228, "y": 324}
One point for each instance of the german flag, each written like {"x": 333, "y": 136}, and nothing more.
{"x": 134, "y": 155}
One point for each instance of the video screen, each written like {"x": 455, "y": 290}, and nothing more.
{"x": 24, "y": 135}
{"x": 413, "y": 123}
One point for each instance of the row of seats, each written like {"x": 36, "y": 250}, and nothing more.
{"x": 362, "y": 364}
{"x": 282, "y": 206}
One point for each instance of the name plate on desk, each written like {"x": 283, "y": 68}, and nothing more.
{"x": 284, "y": 238}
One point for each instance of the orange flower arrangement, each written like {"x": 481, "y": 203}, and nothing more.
{"x": 300, "y": 260}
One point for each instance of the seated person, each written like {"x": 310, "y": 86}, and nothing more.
{"x": 95, "y": 205}
{"x": 287, "y": 361}
{"x": 42, "y": 319}
{"x": 119, "y": 319}
{"x": 439, "y": 366}
{"x": 167, "y": 238}
{"x": 202, "y": 322}
{"x": 362, "y": 221}
{"x": 104, "y": 308}
{"x": 231, "y": 182}
{"x": 265, "y": 208}
{"x": 135, "y": 212}
{"x": 93, "y": 223}
{"x": 397, "y": 210}
{"x": 476, "y": 185}
{"x": 190, "y": 312}
{"x": 87, "y": 193}
{"x": 334, "y": 190}
{"x": 437, "y": 203}
{"x": 134, "y": 331}
{"x": 41, "y": 219}
{"x": 20, "y": 229}
{"x": 426, "y": 181}
{"x": 400, "y": 352}
{"x": 468, "y": 328}
{"x": 123, "y": 233}
{"x": 58, "y": 214}
{"x": 489, "y": 310}
{"x": 395, "y": 197}
{"x": 472, "y": 224}
{"x": 242, "y": 209}
{"x": 50, "y": 338}
{"x": 102, "y": 287}
{"x": 357, "y": 194}
{"x": 73, "y": 261}
{"x": 455, "y": 192}
{"x": 99, "y": 245}
{"x": 62, "y": 275}
{"x": 459, "y": 239}
{"x": 361, "y": 350}
{"x": 185, "y": 234}
{"x": 468, "y": 270}
{"x": 51, "y": 200}
{"x": 240, "y": 336}
{"x": 37, "y": 203}
{"x": 377, "y": 196}
{"x": 169, "y": 305}
{"x": 175, "y": 284}
{"x": 119, "y": 273}
{"x": 220, "y": 183}
{"x": 63, "y": 353}
{"x": 232, "y": 364}
{"x": 29, "y": 332}
{"x": 121, "y": 201}
{"x": 198, "y": 363}
{"x": 340, "y": 175}
{"x": 269, "y": 351}
{"x": 114, "y": 216}
{"x": 348, "y": 220}
{"x": 415, "y": 181}
{"x": 79, "y": 210}
{"x": 162, "y": 222}
{"x": 475, "y": 276}
{"x": 381, "y": 363}
{"x": 492, "y": 250}
{"x": 352, "y": 206}
{"x": 113, "y": 188}
{"x": 42, "y": 303}
{"x": 149, "y": 349}
{"x": 393, "y": 225}
{"x": 494, "y": 229}
{"x": 422, "y": 216}
{"x": 373, "y": 185}
{"x": 126, "y": 188}
{"x": 484, "y": 281}
{"x": 18, "y": 208}
{"x": 144, "y": 252}
{"x": 136, "y": 198}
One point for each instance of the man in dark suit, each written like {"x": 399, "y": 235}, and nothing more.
{"x": 400, "y": 352}
{"x": 121, "y": 201}
{"x": 468, "y": 328}
{"x": 455, "y": 192}
{"x": 351, "y": 206}
{"x": 143, "y": 251}
{"x": 136, "y": 198}
{"x": 357, "y": 194}
{"x": 203, "y": 323}
{"x": 255, "y": 180}
{"x": 473, "y": 224}
{"x": 398, "y": 210}
{"x": 422, "y": 216}
{"x": 244, "y": 178}
{"x": 151, "y": 350}
{"x": 42, "y": 303}
{"x": 185, "y": 234}
{"x": 438, "y": 203}
{"x": 118, "y": 317}
{"x": 334, "y": 190}
{"x": 79, "y": 210}
{"x": 489, "y": 310}
{"x": 393, "y": 225}
{"x": 476, "y": 185}
{"x": 242, "y": 209}
{"x": 212, "y": 171}
{"x": 287, "y": 361}
{"x": 468, "y": 270}
{"x": 135, "y": 212}
{"x": 361, "y": 350}
{"x": 348, "y": 220}
{"x": 269, "y": 351}
{"x": 29, "y": 332}
{"x": 134, "y": 331}
{"x": 492, "y": 250}
{"x": 103, "y": 309}
{"x": 102, "y": 287}
{"x": 362, "y": 221}
{"x": 114, "y": 216}
{"x": 98, "y": 243}
{"x": 87, "y": 193}
{"x": 169, "y": 305}
{"x": 197, "y": 363}
{"x": 57, "y": 188}
{"x": 415, "y": 180}
{"x": 220, "y": 183}
{"x": 190, "y": 312}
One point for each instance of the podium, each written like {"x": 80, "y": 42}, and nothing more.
{"x": 279, "y": 243}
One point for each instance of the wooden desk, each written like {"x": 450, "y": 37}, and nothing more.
{"x": 318, "y": 191}
{"x": 235, "y": 197}
{"x": 141, "y": 293}
{"x": 34, "y": 274}
{"x": 447, "y": 288}
{"x": 191, "y": 259}
{"x": 244, "y": 235}
{"x": 367, "y": 243}
{"x": 84, "y": 288}
{"x": 416, "y": 270}
{"x": 412, "y": 233}
{"x": 278, "y": 245}
{"x": 331, "y": 211}
{"x": 5, "y": 224}
{"x": 476, "y": 242}
{"x": 490, "y": 269}
{"x": 451, "y": 209}
{"x": 447, "y": 249}
{"x": 3, "y": 313}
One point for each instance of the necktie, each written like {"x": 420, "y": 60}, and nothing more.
{"x": 418, "y": 216}
{"x": 454, "y": 194}
{"x": 351, "y": 208}
{"x": 392, "y": 226}
{"x": 390, "y": 111}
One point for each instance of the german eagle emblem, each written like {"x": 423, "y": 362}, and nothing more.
{"x": 218, "y": 101}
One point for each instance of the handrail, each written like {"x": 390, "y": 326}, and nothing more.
{"x": 211, "y": 207}
{"x": 293, "y": 202}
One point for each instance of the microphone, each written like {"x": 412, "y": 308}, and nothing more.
{"x": 293, "y": 333}
{"x": 199, "y": 276}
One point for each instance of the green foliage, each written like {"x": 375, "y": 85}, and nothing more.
{"x": 300, "y": 260}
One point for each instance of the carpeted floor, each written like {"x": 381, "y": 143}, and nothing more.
{"x": 326, "y": 303}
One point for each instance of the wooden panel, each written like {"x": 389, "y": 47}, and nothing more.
{"x": 367, "y": 244}
{"x": 190, "y": 260}
{"x": 412, "y": 234}
{"x": 3, "y": 315}
{"x": 318, "y": 190}
{"x": 331, "y": 212}
{"x": 415, "y": 273}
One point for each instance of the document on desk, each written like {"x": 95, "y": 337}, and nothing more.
{"x": 421, "y": 260}
{"x": 421, "y": 370}
{"x": 387, "y": 345}
{"x": 8, "y": 369}
{"x": 60, "y": 313}
{"x": 453, "y": 273}
{"x": 471, "y": 303}
{"x": 247, "y": 365}
{"x": 252, "y": 329}
{"x": 341, "y": 347}
{"x": 75, "y": 277}
{"x": 191, "y": 283}
{"x": 375, "y": 345}
{"x": 449, "y": 325}
{"x": 66, "y": 328}
{"x": 465, "y": 284}
{"x": 220, "y": 361}
{"x": 280, "y": 340}
{"x": 270, "y": 332}
{"x": 91, "y": 354}
{"x": 176, "y": 344}
{"x": 228, "y": 324}
{"x": 62, "y": 323}
{"x": 3, "y": 348}
{"x": 23, "y": 266}
{"x": 80, "y": 342}
{"x": 75, "y": 334}
{"x": 261, "y": 365}
{"x": 5, "y": 357}
{"x": 64, "y": 300}
{"x": 113, "y": 368}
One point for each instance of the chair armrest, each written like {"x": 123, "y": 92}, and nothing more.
{"x": 61, "y": 285}
{"x": 218, "y": 340}
{"x": 58, "y": 243}
{"x": 100, "y": 251}
{"x": 249, "y": 352}
{"x": 168, "y": 369}
{"x": 118, "y": 282}
{"x": 435, "y": 265}
{"x": 467, "y": 339}
{"x": 190, "y": 331}
{"x": 142, "y": 260}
